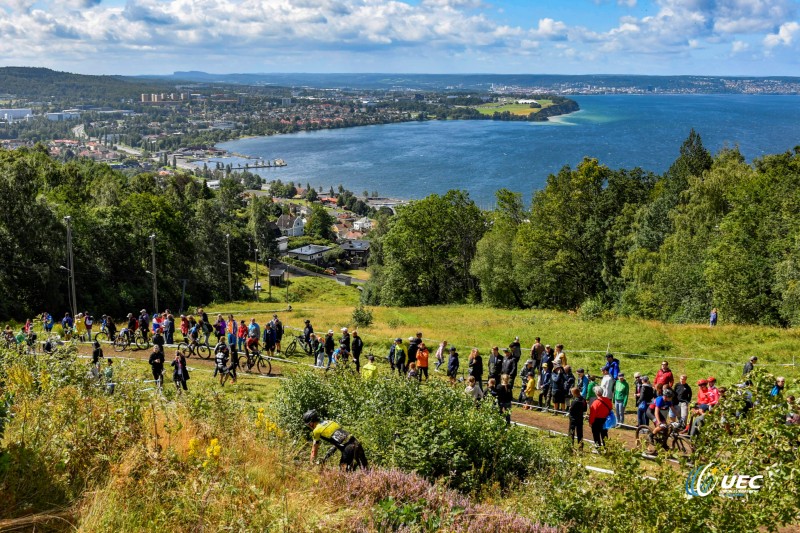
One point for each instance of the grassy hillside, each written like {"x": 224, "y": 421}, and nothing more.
{"x": 689, "y": 348}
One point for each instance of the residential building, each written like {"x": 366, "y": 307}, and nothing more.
{"x": 311, "y": 253}
{"x": 291, "y": 226}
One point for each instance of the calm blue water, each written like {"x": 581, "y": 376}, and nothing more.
{"x": 414, "y": 159}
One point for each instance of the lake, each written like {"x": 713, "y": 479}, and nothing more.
{"x": 413, "y": 159}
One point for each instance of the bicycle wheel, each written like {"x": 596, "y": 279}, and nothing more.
{"x": 101, "y": 336}
{"x": 291, "y": 349}
{"x": 682, "y": 444}
{"x": 184, "y": 350}
{"x": 120, "y": 343}
{"x": 263, "y": 365}
{"x": 203, "y": 351}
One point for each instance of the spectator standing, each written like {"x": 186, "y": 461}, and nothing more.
{"x": 308, "y": 330}
{"x": 157, "y": 365}
{"x": 47, "y": 322}
{"x": 621, "y": 392}
{"x": 607, "y": 383}
{"x": 577, "y": 408}
{"x": 144, "y": 323}
{"x": 590, "y": 389}
{"x": 516, "y": 349}
{"x": 179, "y": 372}
{"x": 599, "y": 411}
{"x": 712, "y": 319}
{"x": 440, "y": 353}
{"x": 268, "y": 338}
{"x": 683, "y": 397}
{"x": 544, "y": 386}
{"x": 646, "y": 395}
{"x": 158, "y": 338}
{"x": 231, "y": 331}
{"x": 241, "y": 334}
{"x": 398, "y": 355}
{"x": 357, "y": 345}
{"x": 536, "y": 353}
{"x": 530, "y": 389}
{"x": 582, "y": 382}
{"x": 637, "y": 382}
{"x": 528, "y": 373}
{"x": 495, "y": 364}
{"x": 169, "y": 329}
{"x": 185, "y": 327}
{"x": 88, "y": 322}
{"x": 476, "y": 367}
{"x": 97, "y": 354}
{"x": 664, "y": 376}
{"x": 560, "y": 358}
{"x": 557, "y": 387}
{"x": 509, "y": 367}
{"x": 452, "y": 364}
{"x": 422, "y": 361}
{"x": 748, "y": 366}
{"x": 413, "y": 347}
{"x": 547, "y": 357}
{"x": 569, "y": 381}
{"x": 505, "y": 395}
{"x": 612, "y": 363}
{"x": 277, "y": 327}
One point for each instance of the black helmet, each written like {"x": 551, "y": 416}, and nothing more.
{"x": 668, "y": 393}
{"x": 310, "y": 416}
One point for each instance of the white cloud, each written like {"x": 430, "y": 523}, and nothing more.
{"x": 785, "y": 35}
{"x": 737, "y": 47}
{"x": 165, "y": 35}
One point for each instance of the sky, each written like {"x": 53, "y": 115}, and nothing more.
{"x": 656, "y": 37}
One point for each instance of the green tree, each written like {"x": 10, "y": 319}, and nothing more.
{"x": 426, "y": 251}
{"x": 320, "y": 223}
{"x": 493, "y": 265}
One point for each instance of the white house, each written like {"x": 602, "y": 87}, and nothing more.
{"x": 291, "y": 226}
{"x": 362, "y": 224}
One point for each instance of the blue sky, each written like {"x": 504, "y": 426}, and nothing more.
{"x": 660, "y": 37}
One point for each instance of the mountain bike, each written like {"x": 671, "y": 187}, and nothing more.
{"x": 188, "y": 349}
{"x": 254, "y": 358}
{"x": 670, "y": 439}
{"x": 125, "y": 339}
{"x": 297, "y": 341}
{"x": 102, "y": 335}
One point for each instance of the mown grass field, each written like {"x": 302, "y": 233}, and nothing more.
{"x": 329, "y": 306}
{"x": 514, "y": 109}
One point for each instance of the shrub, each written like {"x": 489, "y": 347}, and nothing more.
{"x": 591, "y": 308}
{"x": 434, "y": 430}
{"x": 362, "y": 317}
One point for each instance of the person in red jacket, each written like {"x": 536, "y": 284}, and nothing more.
{"x": 598, "y": 412}
{"x": 664, "y": 376}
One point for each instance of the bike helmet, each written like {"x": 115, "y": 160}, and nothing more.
{"x": 311, "y": 416}
{"x": 668, "y": 393}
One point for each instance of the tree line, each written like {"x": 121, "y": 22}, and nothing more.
{"x": 112, "y": 217}
{"x": 712, "y": 231}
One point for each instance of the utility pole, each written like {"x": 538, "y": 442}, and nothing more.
{"x": 155, "y": 276}
{"x": 71, "y": 267}
{"x": 255, "y": 287}
{"x": 183, "y": 293}
{"x": 228, "y": 242}
{"x": 269, "y": 262}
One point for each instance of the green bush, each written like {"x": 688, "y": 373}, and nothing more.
{"x": 362, "y": 317}
{"x": 431, "y": 429}
{"x": 592, "y": 309}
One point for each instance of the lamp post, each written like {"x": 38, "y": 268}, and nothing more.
{"x": 154, "y": 272}
{"x": 228, "y": 242}
{"x": 71, "y": 267}
{"x": 256, "y": 287}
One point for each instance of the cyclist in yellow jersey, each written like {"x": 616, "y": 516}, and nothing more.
{"x": 369, "y": 370}
{"x": 352, "y": 453}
